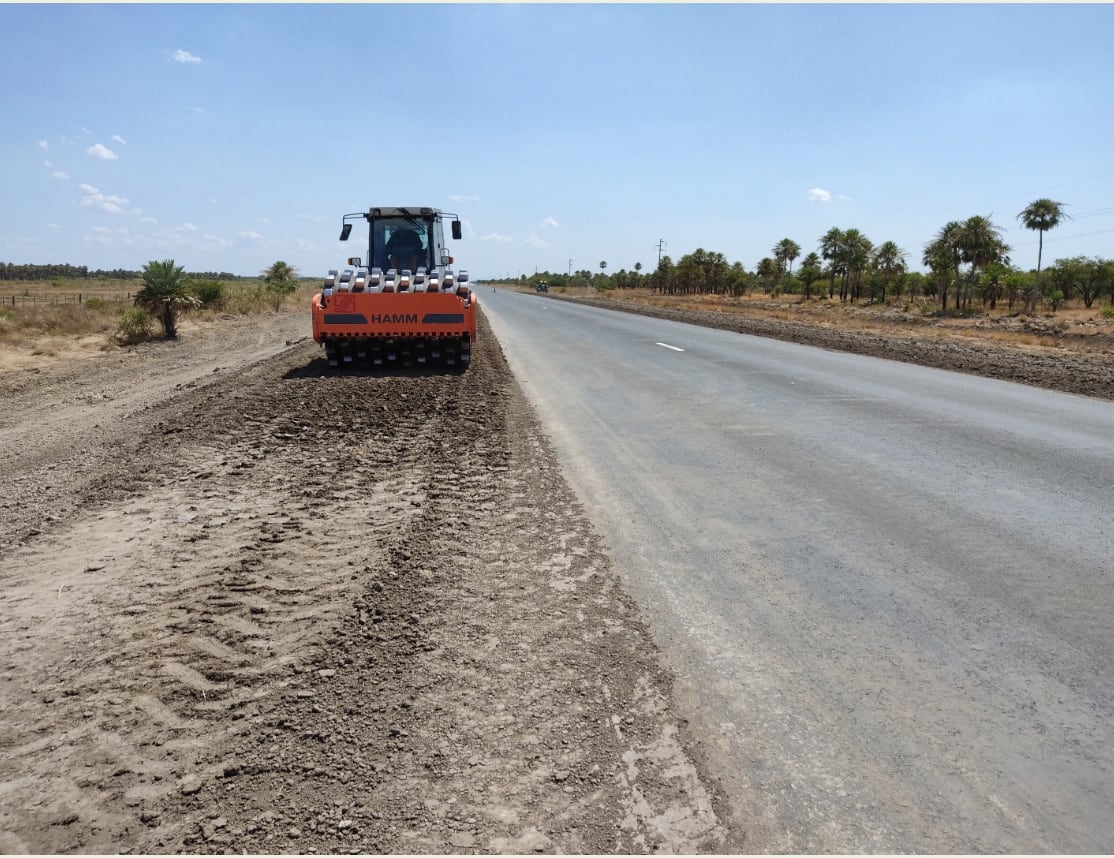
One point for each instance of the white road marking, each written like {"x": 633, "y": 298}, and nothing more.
{"x": 667, "y": 346}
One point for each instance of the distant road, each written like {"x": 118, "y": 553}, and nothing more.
{"x": 887, "y": 591}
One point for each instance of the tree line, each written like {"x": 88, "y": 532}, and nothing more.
{"x": 967, "y": 261}
{"x": 12, "y": 271}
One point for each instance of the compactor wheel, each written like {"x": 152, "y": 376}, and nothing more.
{"x": 415, "y": 352}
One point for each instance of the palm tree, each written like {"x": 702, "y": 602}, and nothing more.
{"x": 664, "y": 278}
{"x": 810, "y": 272}
{"x": 1041, "y": 215}
{"x": 164, "y": 294}
{"x": 768, "y": 273}
{"x": 855, "y": 253}
{"x": 785, "y": 251}
{"x": 889, "y": 261}
{"x": 830, "y": 243}
{"x": 980, "y": 245}
{"x": 280, "y": 272}
{"x": 942, "y": 256}
{"x": 281, "y": 280}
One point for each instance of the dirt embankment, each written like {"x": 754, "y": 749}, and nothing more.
{"x": 248, "y": 606}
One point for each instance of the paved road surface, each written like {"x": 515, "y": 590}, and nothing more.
{"x": 886, "y": 590}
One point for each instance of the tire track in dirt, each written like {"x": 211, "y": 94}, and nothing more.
{"x": 338, "y": 613}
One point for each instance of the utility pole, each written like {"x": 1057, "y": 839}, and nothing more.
{"x": 661, "y": 242}
{"x": 570, "y": 268}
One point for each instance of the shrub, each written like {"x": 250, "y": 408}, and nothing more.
{"x": 247, "y": 300}
{"x": 209, "y": 292}
{"x": 134, "y": 326}
{"x": 96, "y": 304}
{"x": 1107, "y": 312}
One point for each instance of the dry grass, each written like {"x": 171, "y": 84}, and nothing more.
{"x": 1071, "y": 327}
{"x": 45, "y": 318}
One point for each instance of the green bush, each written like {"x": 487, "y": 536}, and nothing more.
{"x": 135, "y": 325}
{"x": 209, "y": 292}
{"x": 1107, "y": 312}
{"x": 96, "y": 304}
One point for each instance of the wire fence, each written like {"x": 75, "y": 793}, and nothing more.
{"x": 62, "y": 298}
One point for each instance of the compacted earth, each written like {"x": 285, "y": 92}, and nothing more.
{"x": 250, "y": 605}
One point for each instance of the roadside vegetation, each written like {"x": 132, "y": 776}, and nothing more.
{"x": 130, "y": 307}
{"x": 968, "y": 273}
{"x": 968, "y": 270}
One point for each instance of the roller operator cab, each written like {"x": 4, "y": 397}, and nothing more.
{"x": 402, "y": 304}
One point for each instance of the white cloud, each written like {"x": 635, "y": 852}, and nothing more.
{"x": 53, "y": 226}
{"x": 180, "y": 56}
{"x": 187, "y": 227}
{"x": 99, "y": 150}
{"x": 110, "y": 203}
{"x": 58, "y": 174}
{"x": 200, "y": 111}
{"x": 74, "y": 138}
{"x": 266, "y": 220}
{"x": 494, "y": 236}
{"x": 148, "y": 219}
{"x": 461, "y": 198}
{"x": 312, "y": 218}
{"x": 819, "y": 195}
{"x": 550, "y": 223}
{"x": 48, "y": 165}
{"x": 251, "y": 234}
{"x": 119, "y": 139}
{"x": 43, "y": 145}
{"x": 534, "y": 241}
{"x": 842, "y": 197}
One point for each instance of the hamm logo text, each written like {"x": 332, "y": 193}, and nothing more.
{"x": 394, "y": 318}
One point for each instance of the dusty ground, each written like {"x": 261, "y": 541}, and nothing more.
{"x": 249, "y": 606}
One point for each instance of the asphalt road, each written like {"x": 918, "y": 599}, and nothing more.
{"x": 885, "y": 590}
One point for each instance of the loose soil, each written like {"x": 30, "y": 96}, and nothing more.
{"x": 247, "y": 605}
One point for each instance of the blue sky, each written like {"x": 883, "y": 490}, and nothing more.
{"x": 228, "y": 137}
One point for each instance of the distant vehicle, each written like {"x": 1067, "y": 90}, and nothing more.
{"x": 541, "y": 286}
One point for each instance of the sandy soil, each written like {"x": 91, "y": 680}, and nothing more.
{"x": 246, "y": 605}
{"x": 249, "y": 606}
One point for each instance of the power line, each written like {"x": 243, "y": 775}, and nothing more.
{"x": 1051, "y": 238}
